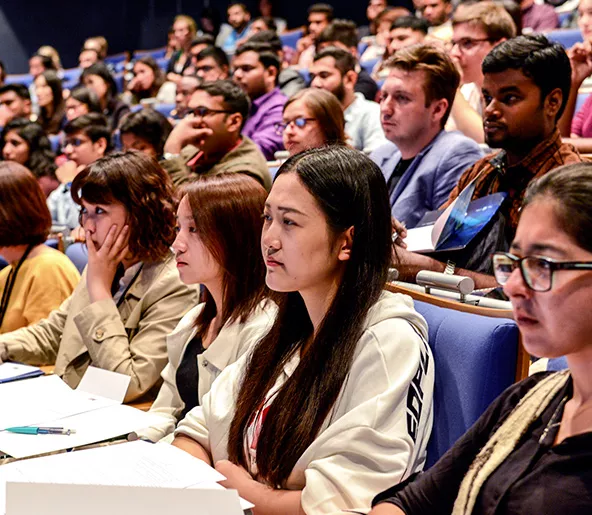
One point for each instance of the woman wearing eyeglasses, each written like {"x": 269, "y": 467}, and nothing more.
{"x": 531, "y": 451}
{"x": 312, "y": 118}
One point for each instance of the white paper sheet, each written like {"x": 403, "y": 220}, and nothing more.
{"x": 23, "y": 403}
{"x": 105, "y": 383}
{"x": 14, "y": 370}
{"x": 91, "y": 427}
{"x": 129, "y": 464}
{"x": 52, "y": 499}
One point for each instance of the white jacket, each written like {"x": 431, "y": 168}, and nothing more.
{"x": 234, "y": 340}
{"x": 378, "y": 430}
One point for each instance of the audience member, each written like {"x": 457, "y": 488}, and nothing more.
{"x": 437, "y": 13}
{"x": 312, "y": 118}
{"x": 146, "y": 131}
{"x": 262, "y": 23}
{"x": 98, "y": 44}
{"x": 267, "y": 10}
{"x": 290, "y": 81}
{"x": 277, "y": 417}
{"x": 81, "y": 101}
{"x": 186, "y": 87}
{"x": 319, "y": 16}
{"x": 375, "y": 7}
{"x": 477, "y": 28}
{"x": 343, "y": 34}
{"x": 523, "y": 102}
{"x": 171, "y": 46}
{"x": 237, "y": 28}
{"x": 39, "y": 278}
{"x": 538, "y": 17}
{"x": 405, "y": 31}
{"x": 15, "y": 102}
{"x": 427, "y": 161}
{"x": 87, "y": 57}
{"x": 149, "y": 81}
{"x": 256, "y": 69}
{"x": 130, "y": 296}
{"x": 53, "y": 54}
{"x": 334, "y": 70}
{"x": 52, "y": 111}
{"x": 210, "y": 21}
{"x": 197, "y": 45}
{"x": 209, "y": 140}
{"x": 25, "y": 143}
{"x": 535, "y": 436}
{"x": 39, "y": 64}
{"x": 377, "y": 45}
{"x": 98, "y": 78}
{"x": 219, "y": 227}
{"x": 87, "y": 139}
{"x": 211, "y": 64}
{"x": 185, "y": 30}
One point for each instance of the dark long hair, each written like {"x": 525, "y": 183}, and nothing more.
{"x": 100, "y": 70}
{"x": 159, "y": 78}
{"x": 52, "y": 124}
{"x": 144, "y": 188}
{"x": 351, "y": 191}
{"x": 227, "y": 214}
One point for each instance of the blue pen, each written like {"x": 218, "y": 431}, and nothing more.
{"x": 30, "y": 430}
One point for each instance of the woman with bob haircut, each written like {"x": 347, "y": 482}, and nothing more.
{"x": 312, "y": 118}
{"x": 130, "y": 296}
{"x": 98, "y": 78}
{"x": 146, "y": 131}
{"x": 317, "y": 418}
{"x": 48, "y": 88}
{"x": 217, "y": 245}
{"x": 39, "y": 278}
{"x": 26, "y": 143}
{"x": 530, "y": 451}
{"x": 82, "y": 101}
{"x": 149, "y": 81}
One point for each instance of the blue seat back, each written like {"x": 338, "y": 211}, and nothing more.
{"x": 25, "y": 79}
{"x": 56, "y": 142}
{"x": 475, "y": 360}
{"x": 164, "y": 109}
{"x": 370, "y": 64}
{"x": 556, "y": 364}
{"x": 163, "y": 63}
{"x": 581, "y": 98}
{"x": 3, "y": 263}
{"x": 116, "y": 58}
{"x": 78, "y": 254}
{"x": 291, "y": 38}
{"x": 566, "y": 37}
{"x": 156, "y": 53}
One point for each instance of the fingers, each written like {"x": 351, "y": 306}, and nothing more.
{"x": 90, "y": 245}
{"x": 119, "y": 245}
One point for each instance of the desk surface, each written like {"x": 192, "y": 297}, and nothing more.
{"x": 140, "y": 403}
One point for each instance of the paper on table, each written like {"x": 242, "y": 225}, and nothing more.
{"x": 105, "y": 383}
{"x": 14, "y": 371}
{"x": 91, "y": 427}
{"x": 52, "y": 499}
{"x": 24, "y": 403}
{"x": 130, "y": 464}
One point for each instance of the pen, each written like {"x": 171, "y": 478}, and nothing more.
{"x": 28, "y": 430}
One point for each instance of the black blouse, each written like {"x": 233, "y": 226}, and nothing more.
{"x": 537, "y": 477}
{"x": 187, "y": 377}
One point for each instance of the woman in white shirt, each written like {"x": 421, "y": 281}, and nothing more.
{"x": 218, "y": 229}
{"x": 336, "y": 400}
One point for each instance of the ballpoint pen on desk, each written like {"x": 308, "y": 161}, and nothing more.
{"x": 29, "y": 430}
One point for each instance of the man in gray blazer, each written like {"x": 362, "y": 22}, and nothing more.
{"x": 422, "y": 162}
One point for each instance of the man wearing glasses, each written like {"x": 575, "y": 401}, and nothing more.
{"x": 477, "y": 28}
{"x": 209, "y": 140}
{"x": 523, "y": 102}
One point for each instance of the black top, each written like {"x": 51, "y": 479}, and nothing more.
{"x": 187, "y": 377}
{"x": 366, "y": 85}
{"x": 537, "y": 477}
{"x": 398, "y": 172}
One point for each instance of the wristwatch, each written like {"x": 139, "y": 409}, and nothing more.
{"x": 167, "y": 156}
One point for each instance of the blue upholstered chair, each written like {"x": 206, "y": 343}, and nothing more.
{"x": 56, "y": 142}
{"x": 370, "y": 64}
{"x": 164, "y": 109}
{"x": 78, "y": 254}
{"x": 476, "y": 358}
{"x": 155, "y": 53}
{"x": 24, "y": 78}
{"x": 3, "y": 263}
{"x": 581, "y": 98}
{"x": 116, "y": 58}
{"x": 567, "y": 37}
{"x": 291, "y": 38}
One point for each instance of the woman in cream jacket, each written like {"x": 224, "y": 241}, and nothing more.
{"x": 218, "y": 229}
{"x": 130, "y": 296}
{"x": 336, "y": 400}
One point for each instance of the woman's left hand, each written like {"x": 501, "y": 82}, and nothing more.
{"x": 103, "y": 262}
{"x": 236, "y": 477}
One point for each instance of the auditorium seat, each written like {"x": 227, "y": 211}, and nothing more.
{"x": 23, "y": 78}
{"x": 164, "y": 109}
{"x": 567, "y": 37}
{"x": 155, "y": 53}
{"x": 580, "y": 101}
{"x": 3, "y": 263}
{"x": 78, "y": 254}
{"x": 370, "y": 64}
{"x": 163, "y": 63}
{"x": 116, "y": 58}
{"x": 291, "y": 38}
{"x": 56, "y": 142}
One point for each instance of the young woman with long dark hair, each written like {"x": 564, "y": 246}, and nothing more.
{"x": 323, "y": 411}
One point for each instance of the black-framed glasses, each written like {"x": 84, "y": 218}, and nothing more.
{"x": 300, "y": 122}
{"x": 537, "y": 272}
{"x": 466, "y": 44}
{"x": 203, "y": 111}
{"x": 75, "y": 142}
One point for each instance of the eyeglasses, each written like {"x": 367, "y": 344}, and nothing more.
{"x": 202, "y": 111}
{"x": 75, "y": 142}
{"x": 300, "y": 122}
{"x": 466, "y": 44}
{"x": 537, "y": 272}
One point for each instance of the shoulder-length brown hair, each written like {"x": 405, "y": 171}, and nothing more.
{"x": 327, "y": 110}
{"x": 227, "y": 211}
{"x": 159, "y": 76}
{"x": 24, "y": 217}
{"x": 139, "y": 183}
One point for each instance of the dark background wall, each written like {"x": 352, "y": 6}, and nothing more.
{"x": 127, "y": 24}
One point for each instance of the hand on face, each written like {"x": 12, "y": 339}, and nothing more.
{"x": 580, "y": 57}
{"x": 104, "y": 260}
{"x": 188, "y": 131}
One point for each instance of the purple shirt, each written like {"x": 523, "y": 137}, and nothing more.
{"x": 265, "y": 112}
{"x": 539, "y": 18}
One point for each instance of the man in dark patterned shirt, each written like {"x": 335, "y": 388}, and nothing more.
{"x": 526, "y": 86}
